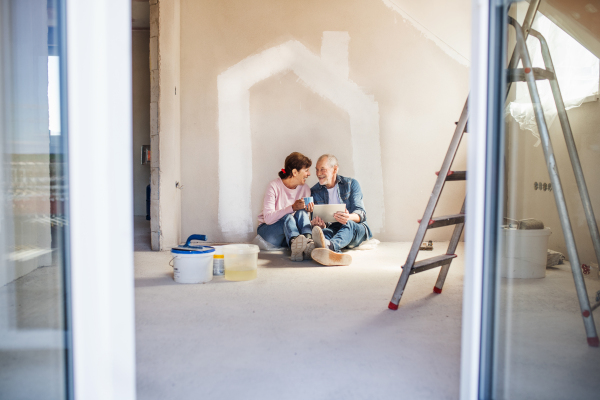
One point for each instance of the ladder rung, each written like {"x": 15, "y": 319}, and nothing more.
{"x": 432, "y": 262}
{"x": 445, "y": 220}
{"x": 518, "y": 75}
{"x": 455, "y": 175}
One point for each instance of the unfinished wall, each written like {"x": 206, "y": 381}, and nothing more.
{"x": 140, "y": 44}
{"x": 302, "y": 93}
{"x": 528, "y": 166}
{"x": 165, "y": 123}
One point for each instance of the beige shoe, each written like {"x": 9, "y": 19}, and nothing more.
{"x": 318, "y": 237}
{"x": 298, "y": 245}
{"x": 328, "y": 257}
{"x": 309, "y": 249}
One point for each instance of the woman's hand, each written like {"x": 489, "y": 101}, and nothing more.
{"x": 316, "y": 221}
{"x": 342, "y": 217}
{"x": 298, "y": 205}
{"x": 310, "y": 207}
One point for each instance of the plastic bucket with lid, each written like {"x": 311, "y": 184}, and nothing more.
{"x": 525, "y": 253}
{"x": 241, "y": 261}
{"x": 193, "y": 264}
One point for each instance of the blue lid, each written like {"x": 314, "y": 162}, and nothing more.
{"x": 193, "y": 250}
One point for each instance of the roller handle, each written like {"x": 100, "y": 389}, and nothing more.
{"x": 194, "y": 237}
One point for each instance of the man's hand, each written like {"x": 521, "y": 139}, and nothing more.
{"x": 298, "y": 205}
{"x": 342, "y": 217}
{"x": 318, "y": 222}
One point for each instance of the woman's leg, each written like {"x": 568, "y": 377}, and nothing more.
{"x": 274, "y": 233}
{"x": 302, "y": 219}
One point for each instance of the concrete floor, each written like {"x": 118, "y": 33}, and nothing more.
{"x": 299, "y": 331}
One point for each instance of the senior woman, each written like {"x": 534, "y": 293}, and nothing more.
{"x": 284, "y": 220}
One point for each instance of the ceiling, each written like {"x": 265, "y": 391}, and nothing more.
{"x": 579, "y": 18}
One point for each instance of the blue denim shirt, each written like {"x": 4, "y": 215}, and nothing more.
{"x": 350, "y": 194}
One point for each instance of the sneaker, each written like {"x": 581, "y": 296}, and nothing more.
{"x": 309, "y": 249}
{"x": 319, "y": 238}
{"x": 298, "y": 245}
{"x": 329, "y": 257}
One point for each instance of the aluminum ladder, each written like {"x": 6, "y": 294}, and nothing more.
{"x": 530, "y": 75}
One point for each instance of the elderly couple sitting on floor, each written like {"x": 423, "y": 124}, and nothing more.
{"x": 285, "y": 221}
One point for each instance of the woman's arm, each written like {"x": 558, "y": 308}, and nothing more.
{"x": 270, "y": 213}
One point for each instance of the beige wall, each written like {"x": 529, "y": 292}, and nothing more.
{"x": 416, "y": 79}
{"x": 528, "y": 166}
{"x": 140, "y": 42}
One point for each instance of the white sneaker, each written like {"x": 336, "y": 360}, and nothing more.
{"x": 319, "y": 237}
{"x": 309, "y": 249}
{"x": 298, "y": 245}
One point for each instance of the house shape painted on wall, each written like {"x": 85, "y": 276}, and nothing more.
{"x": 327, "y": 76}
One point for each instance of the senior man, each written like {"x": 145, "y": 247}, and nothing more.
{"x": 351, "y": 228}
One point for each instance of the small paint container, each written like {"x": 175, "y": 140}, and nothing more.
{"x": 218, "y": 261}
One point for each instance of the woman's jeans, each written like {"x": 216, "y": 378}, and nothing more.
{"x": 281, "y": 232}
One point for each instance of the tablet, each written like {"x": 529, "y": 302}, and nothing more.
{"x": 326, "y": 211}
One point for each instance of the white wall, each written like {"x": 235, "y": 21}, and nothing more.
{"x": 412, "y": 67}
{"x": 527, "y": 165}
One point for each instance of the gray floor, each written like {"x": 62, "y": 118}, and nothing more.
{"x": 299, "y": 331}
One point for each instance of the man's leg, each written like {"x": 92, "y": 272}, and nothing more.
{"x": 349, "y": 235}
{"x": 325, "y": 254}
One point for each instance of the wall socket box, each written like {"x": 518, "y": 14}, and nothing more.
{"x": 542, "y": 186}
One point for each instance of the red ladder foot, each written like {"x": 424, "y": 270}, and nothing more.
{"x": 436, "y": 290}
{"x": 592, "y": 341}
{"x": 394, "y": 307}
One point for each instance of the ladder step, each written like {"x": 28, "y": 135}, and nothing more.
{"x": 445, "y": 220}
{"x": 432, "y": 262}
{"x": 455, "y": 175}
{"x": 518, "y": 74}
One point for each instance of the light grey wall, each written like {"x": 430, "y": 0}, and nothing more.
{"x": 140, "y": 42}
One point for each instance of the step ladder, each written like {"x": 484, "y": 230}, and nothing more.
{"x": 530, "y": 75}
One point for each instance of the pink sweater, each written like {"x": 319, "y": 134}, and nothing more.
{"x": 279, "y": 199}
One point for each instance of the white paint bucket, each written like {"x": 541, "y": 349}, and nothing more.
{"x": 525, "y": 252}
{"x": 193, "y": 266}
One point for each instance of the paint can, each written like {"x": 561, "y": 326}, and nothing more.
{"x": 218, "y": 261}
{"x": 525, "y": 253}
{"x": 192, "y": 264}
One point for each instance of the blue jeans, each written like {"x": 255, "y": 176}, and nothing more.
{"x": 342, "y": 236}
{"x": 281, "y": 232}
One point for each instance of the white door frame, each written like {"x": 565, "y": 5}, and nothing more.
{"x": 101, "y": 212}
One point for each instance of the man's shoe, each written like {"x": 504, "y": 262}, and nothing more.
{"x": 298, "y": 245}
{"x": 318, "y": 237}
{"x": 309, "y": 249}
{"x": 328, "y": 257}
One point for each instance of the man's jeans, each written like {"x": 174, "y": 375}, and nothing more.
{"x": 341, "y": 236}
{"x": 291, "y": 225}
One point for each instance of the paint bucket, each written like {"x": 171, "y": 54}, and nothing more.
{"x": 525, "y": 253}
{"x": 193, "y": 264}
{"x": 218, "y": 261}
{"x": 241, "y": 261}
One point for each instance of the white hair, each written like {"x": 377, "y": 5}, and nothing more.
{"x": 331, "y": 160}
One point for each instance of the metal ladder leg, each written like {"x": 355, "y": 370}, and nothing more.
{"x": 458, "y": 229}
{"x": 571, "y": 148}
{"x": 584, "y": 304}
{"x": 433, "y": 199}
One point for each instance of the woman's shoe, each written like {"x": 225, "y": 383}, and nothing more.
{"x": 309, "y": 249}
{"x": 298, "y": 245}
